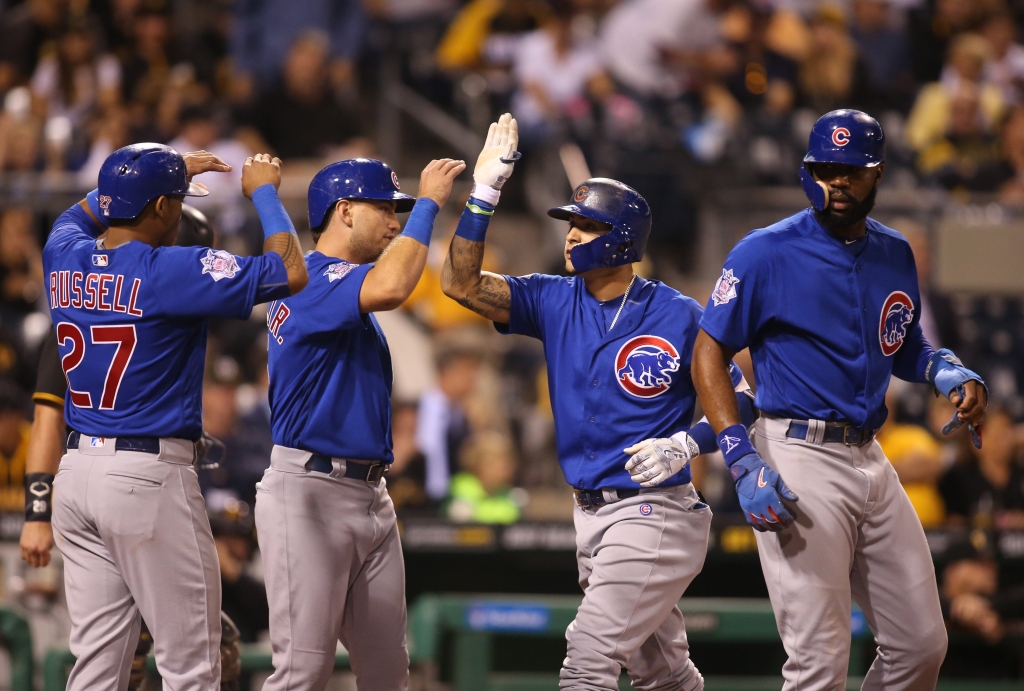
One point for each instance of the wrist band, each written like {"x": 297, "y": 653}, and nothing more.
{"x": 704, "y": 435}
{"x": 420, "y": 225}
{"x": 38, "y": 497}
{"x": 486, "y": 194}
{"x": 475, "y": 219}
{"x": 271, "y": 211}
{"x": 734, "y": 443}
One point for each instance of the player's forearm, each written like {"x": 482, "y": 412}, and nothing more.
{"x": 395, "y": 275}
{"x": 280, "y": 236}
{"x": 45, "y": 445}
{"x": 462, "y": 280}
{"x": 710, "y": 372}
{"x": 397, "y": 271}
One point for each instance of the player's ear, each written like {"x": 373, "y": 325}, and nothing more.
{"x": 880, "y": 168}
{"x": 343, "y": 210}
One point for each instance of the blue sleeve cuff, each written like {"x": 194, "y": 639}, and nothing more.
{"x": 271, "y": 211}
{"x": 420, "y": 225}
{"x": 93, "y": 199}
{"x": 475, "y": 219}
{"x": 704, "y": 435}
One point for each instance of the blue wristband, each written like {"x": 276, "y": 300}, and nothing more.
{"x": 420, "y": 225}
{"x": 734, "y": 444}
{"x": 475, "y": 219}
{"x": 704, "y": 435}
{"x": 271, "y": 211}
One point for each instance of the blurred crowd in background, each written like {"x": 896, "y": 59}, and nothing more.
{"x": 674, "y": 97}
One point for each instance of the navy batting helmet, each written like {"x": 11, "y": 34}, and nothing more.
{"x": 619, "y": 205}
{"x": 194, "y": 229}
{"x": 133, "y": 176}
{"x": 354, "y": 178}
{"x": 843, "y": 136}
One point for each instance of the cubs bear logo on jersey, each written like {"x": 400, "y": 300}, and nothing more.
{"x": 219, "y": 264}
{"x": 644, "y": 366}
{"x": 897, "y": 313}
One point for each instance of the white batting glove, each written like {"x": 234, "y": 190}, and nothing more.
{"x": 494, "y": 165}
{"x": 655, "y": 460}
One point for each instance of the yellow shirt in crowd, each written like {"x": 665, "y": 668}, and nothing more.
{"x": 899, "y": 442}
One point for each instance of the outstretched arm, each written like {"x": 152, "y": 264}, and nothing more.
{"x": 261, "y": 176}
{"x": 462, "y": 279}
{"x": 394, "y": 276}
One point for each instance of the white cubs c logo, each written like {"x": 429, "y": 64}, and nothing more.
{"x": 840, "y": 136}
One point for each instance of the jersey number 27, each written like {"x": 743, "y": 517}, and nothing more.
{"x": 123, "y": 336}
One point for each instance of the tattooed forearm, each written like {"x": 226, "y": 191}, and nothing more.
{"x": 286, "y": 245}
{"x": 462, "y": 280}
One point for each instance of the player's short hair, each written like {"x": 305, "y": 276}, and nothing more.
{"x": 319, "y": 230}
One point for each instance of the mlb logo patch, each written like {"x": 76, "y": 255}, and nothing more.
{"x": 726, "y": 288}
{"x": 338, "y": 271}
{"x": 644, "y": 366}
{"x": 99, "y": 260}
{"x": 219, "y": 264}
{"x": 646, "y": 509}
{"x": 97, "y": 442}
{"x": 897, "y": 313}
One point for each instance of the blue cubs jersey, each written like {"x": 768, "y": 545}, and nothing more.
{"x": 827, "y": 321}
{"x": 330, "y": 367}
{"x": 131, "y": 325}
{"x": 610, "y": 389}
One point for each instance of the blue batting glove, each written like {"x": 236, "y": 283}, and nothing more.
{"x": 761, "y": 491}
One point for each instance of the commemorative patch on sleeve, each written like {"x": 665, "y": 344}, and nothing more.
{"x": 726, "y": 288}
{"x": 219, "y": 264}
{"x": 336, "y": 272}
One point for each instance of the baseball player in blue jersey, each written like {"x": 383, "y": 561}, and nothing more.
{"x": 618, "y": 351}
{"x": 827, "y": 301}
{"x": 130, "y": 315}
{"x": 326, "y": 525}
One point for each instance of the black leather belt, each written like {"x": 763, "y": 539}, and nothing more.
{"x": 835, "y": 433}
{"x": 596, "y": 497}
{"x": 139, "y": 444}
{"x": 369, "y": 471}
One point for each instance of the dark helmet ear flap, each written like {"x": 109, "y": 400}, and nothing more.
{"x": 816, "y": 191}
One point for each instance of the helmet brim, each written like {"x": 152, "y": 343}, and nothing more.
{"x": 196, "y": 190}
{"x": 846, "y": 159}
{"x": 562, "y": 213}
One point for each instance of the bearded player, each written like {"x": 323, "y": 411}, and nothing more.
{"x": 828, "y": 302}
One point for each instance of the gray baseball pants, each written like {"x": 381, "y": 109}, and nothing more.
{"x": 856, "y": 537}
{"x": 334, "y": 571}
{"x": 636, "y": 557}
{"x": 137, "y": 544}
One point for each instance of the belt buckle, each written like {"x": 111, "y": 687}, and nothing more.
{"x": 846, "y": 436}
{"x": 375, "y": 472}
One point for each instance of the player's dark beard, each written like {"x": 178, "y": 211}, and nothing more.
{"x": 834, "y": 220}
